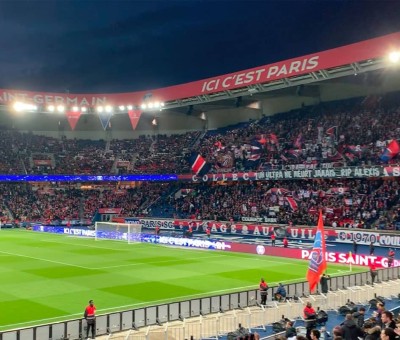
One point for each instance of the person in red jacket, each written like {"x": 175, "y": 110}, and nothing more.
{"x": 310, "y": 318}
{"x": 273, "y": 238}
{"x": 90, "y": 316}
{"x": 263, "y": 291}
{"x": 285, "y": 242}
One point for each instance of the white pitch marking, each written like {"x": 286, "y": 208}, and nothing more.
{"x": 45, "y": 260}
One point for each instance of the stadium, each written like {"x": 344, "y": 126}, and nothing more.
{"x": 166, "y": 207}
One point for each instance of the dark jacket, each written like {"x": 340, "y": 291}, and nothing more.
{"x": 290, "y": 332}
{"x": 324, "y": 283}
{"x": 359, "y": 319}
{"x": 373, "y": 333}
{"x": 351, "y": 331}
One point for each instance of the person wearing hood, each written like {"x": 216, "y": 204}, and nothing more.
{"x": 350, "y": 329}
{"x": 372, "y": 332}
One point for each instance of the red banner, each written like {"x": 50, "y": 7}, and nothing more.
{"x": 364, "y": 50}
{"x": 73, "y": 118}
{"x": 134, "y": 116}
{"x": 39, "y": 162}
{"x": 110, "y": 210}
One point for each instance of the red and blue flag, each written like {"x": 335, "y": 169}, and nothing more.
{"x": 317, "y": 264}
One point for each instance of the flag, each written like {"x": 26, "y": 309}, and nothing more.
{"x": 332, "y": 131}
{"x": 273, "y": 139}
{"x": 348, "y": 201}
{"x": 391, "y": 151}
{"x": 317, "y": 258}
{"x": 198, "y": 164}
{"x": 292, "y": 203}
{"x": 298, "y": 141}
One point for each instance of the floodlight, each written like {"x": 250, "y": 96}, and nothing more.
{"x": 394, "y": 56}
{"x": 60, "y": 108}
{"x": 150, "y": 105}
{"x": 75, "y": 109}
{"x": 156, "y": 105}
{"x": 83, "y": 109}
{"x": 100, "y": 109}
{"x": 51, "y": 108}
{"x": 130, "y": 107}
{"x": 18, "y": 106}
{"x": 143, "y": 106}
{"x": 108, "y": 108}
{"x": 162, "y": 104}
{"x": 154, "y": 122}
{"x": 121, "y": 107}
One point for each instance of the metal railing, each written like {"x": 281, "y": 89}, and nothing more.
{"x": 165, "y": 314}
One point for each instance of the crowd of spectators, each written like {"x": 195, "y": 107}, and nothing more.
{"x": 358, "y": 203}
{"x": 345, "y": 133}
{"x": 351, "y": 132}
{"x": 26, "y": 202}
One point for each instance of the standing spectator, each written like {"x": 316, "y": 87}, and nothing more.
{"x": 285, "y": 242}
{"x": 324, "y": 283}
{"x": 371, "y": 248}
{"x": 263, "y": 291}
{"x": 208, "y": 232}
{"x": 157, "y": 230}
{"x": 310, "y": 318}
{"x": 373, "y": 272}
{"x": 90, "y": 316}
{"x": 387, "y": 320}
{"x": 359, "y": 317}
{"x": 273, "y": 238}
{"x": 350, "y": 329}
{"x": 391, "y": 255}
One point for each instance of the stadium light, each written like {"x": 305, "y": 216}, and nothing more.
{"x": 51, "y": 108}
{"x": 75, "y": 109}
{"x": 83, "y": 109}
{"x": 143, "y": 106}
{"x": 108, "y": 108}
{"x": 154, "y": 122}
{"x": 156, "y": 105}
{"x": 18, "y": 106}
{"x": 162, "y": 104}
{"x": 394, "y": 56}
{"x": 100, "y": 109}
{"x": 121, "y": 107}
{"x": 130, "y": 107}
{"x": 60, "y": 108}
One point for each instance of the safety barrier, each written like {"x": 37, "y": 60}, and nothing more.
{"x": 208, "y": 317}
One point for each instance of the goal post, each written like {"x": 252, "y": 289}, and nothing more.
{"x": 127, "y": 232}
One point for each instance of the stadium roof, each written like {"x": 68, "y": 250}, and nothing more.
{"x": 216, "y": 92}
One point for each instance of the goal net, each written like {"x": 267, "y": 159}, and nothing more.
{"x": 127, "y": 232}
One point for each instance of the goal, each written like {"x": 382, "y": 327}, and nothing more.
{"x": 127, "y": 232}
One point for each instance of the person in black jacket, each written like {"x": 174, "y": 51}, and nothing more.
{"x": 387, "y": 320}
{"x": 350, "y": 329}
{"x": 290, "y": 330}
{"x": 324, "y": 283}
{"x": 359, "y": 317}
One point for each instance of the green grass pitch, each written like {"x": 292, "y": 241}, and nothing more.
{"x": 47, "y": 278}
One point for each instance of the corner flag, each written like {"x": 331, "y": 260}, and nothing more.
{"x": 317, "y": 258}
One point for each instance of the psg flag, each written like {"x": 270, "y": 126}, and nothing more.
{"x": 390, "y": 151}
{"x": 198, "y": 164}
{"x": 317, "y": 264}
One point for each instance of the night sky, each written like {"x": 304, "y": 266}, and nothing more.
{"x": 117, "y": 46}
